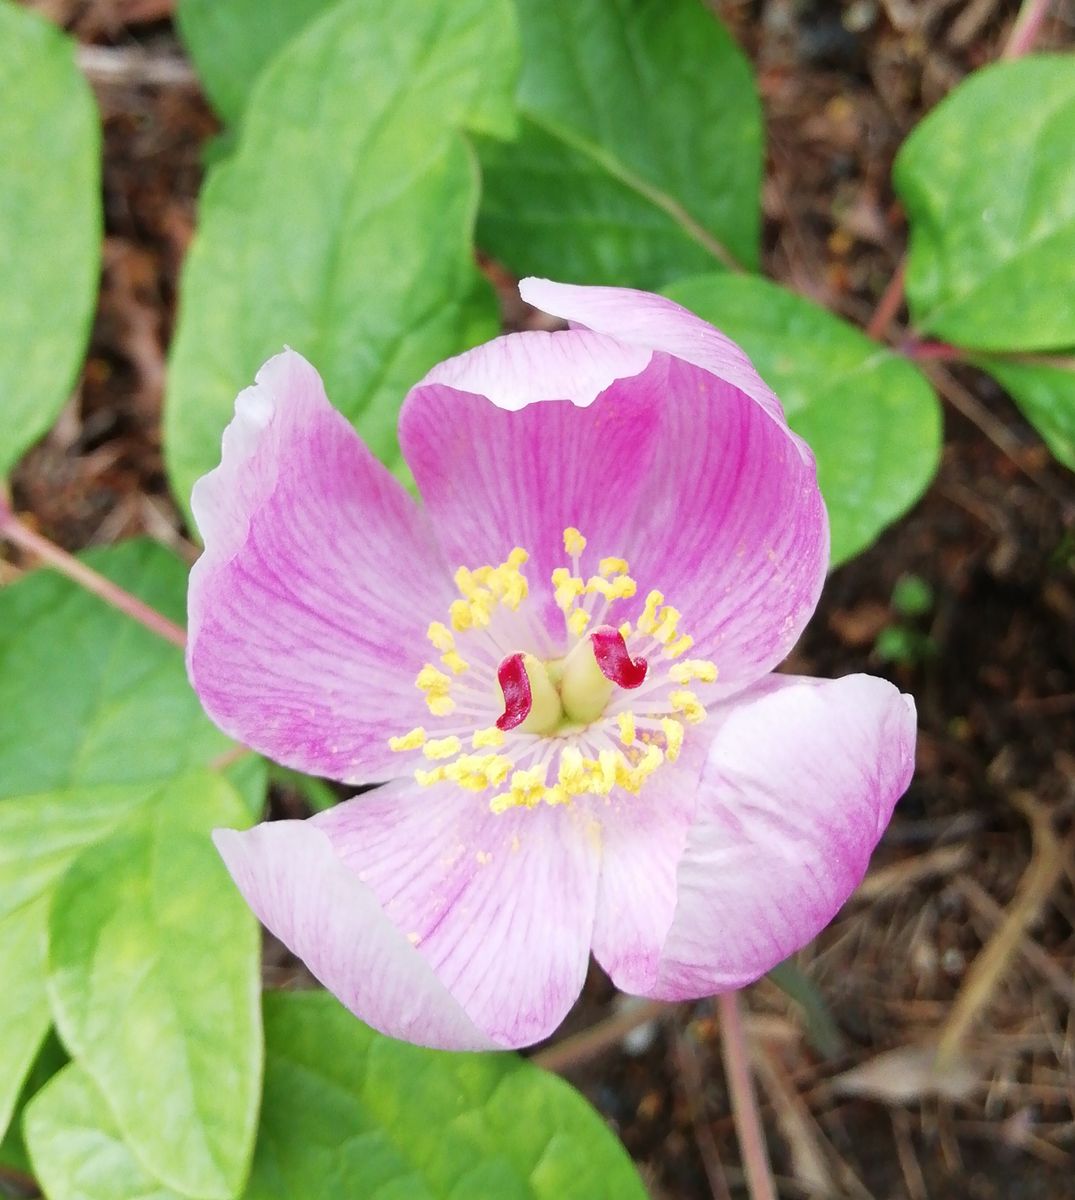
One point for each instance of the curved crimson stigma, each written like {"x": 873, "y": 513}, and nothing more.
{"x": 515, "y": 684}
{"x": 616, "y": 664}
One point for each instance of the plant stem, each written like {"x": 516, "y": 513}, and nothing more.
{"x": 748, "y": 1127}
{"x": 927, "y": 351}
{"x": 1028, "y": 23}
{"x": 1020, "y": 41}
{"x": 22, "y": 536}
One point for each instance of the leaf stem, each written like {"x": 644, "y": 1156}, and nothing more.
{"x": 927, "y": 351}
{"x": 889, "y": 304}
{"x": 748, "y": 1127}
{"x": 1028, "y": 23}
{"x": 86, "y": 577}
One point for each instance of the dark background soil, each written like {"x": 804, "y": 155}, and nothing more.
{"x": 970, "y": 903}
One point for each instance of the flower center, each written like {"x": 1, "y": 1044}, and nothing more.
{"x": 604, "y": 712}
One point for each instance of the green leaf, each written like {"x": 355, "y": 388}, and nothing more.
{"x": 24, "y": 1011}
{"x": 154, "y": 958}
{"x": 342, "y": 223}
{"x": 231, "y": 43}
{"x": 1046, "y": 395}
{"x": 869, "y": 416}
{"x": 50, "y": 1058}
{"x": 98, "y": 718}
{"x": 988, "y": 181}
{"x": 640, "y": 153}
{"x": 76, "y": 1148}
{"x": 50, "y": 225}
{"x": 349, "y": 1113}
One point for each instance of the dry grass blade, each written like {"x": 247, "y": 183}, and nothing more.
{"x": 990, "y": 967}
{"x": 909, "y": 1074}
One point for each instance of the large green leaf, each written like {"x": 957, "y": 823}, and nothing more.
{"x": 50, "y": 225}
{"x": 232, "y": 42}
{"x": 349, "y": 1113}
{"x": 1046, "y": 394}
{"x": 342, "y": 223}
{"x": 870, "y": 417}
{"x": 76, "y": 1148}
{"x": 24, "y": 1013}
{"x": 640, "y": 152}
{"x": 988, "y": 180}
{"x": 154, "y": 977}
{"x": 99, "y": 717}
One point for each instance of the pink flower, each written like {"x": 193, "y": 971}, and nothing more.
{"x": 560, "y": 662}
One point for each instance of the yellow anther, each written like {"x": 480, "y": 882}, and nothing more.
{"x": 574, "y": 542}
{"x": 438, "y": 748}
{"x": 454, "y": 662}
{"x": 680, "y": 646}
{"x": 625, "y": 630}
{"x": 527, "y": 789}
{"x": 517, "y": 558}
{"x": 693, "y": 668}
{"x": 667, "y": 628}
{"x": 626, "y": 722}
{"x": 572, "y": 772}
{"x": 578, "y": 621}
{"x": 441, "y": 636}
{"x": 687, "y": 703}
{"x": 647, "y": 622}
{"x": 427, "y": 778}
{"x": 631, "y": 778}
{"x": 620, "y": 588}
{"x": 605, "y": 773}
{"x": 613, "y": 566}
{"x": 568, "y": 587}
{"x": 673, "y": 736}
{"x": 487, "y": 737}
{"x": 409, "y": 741}
{"x": 459, "y": 614}
{"x": 440, "y": 706}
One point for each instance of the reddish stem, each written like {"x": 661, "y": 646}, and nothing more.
{"x": 1027, "y": 26}
{"x": 889, "y": 304}
{"x": 86, "y": 577}
{"x": 748, "y": 1127}
{"x": 931, "y": 351}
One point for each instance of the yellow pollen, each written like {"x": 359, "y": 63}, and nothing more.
{"x": 613, "y": 566}
{"x": 487, "y": 737}
{"x": 647, "y": 622}
{"x": 693, "y": 668}
{"x": 437, "y": 748}
{"x": 687, "y": 703}
{"x": 678, "y": 647}
{"x": 409, "y": 741}
{"x": 578, "y": 621}
{"x": 454, "y": 662}
{"x": 626, "y": 722}
{"x": 622, "y": 587}
{"x": 673, "y": 736}
{"x": 625, "y": 630}
{"x": 440, "y": 706}
{"x": 666, "y": 629}
{"x": 568, "y": 587}
{"x": 574, "y": 542}
{"x": 441, "y": 636}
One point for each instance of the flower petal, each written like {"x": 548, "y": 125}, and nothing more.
{"x": 293, "y": 880}
{"x": 642, "y": 842}
{"x": 799, "y": 784}
{"x": 731, "y": 527}
{"x": 308, "y": 608}
{"x": 645, "y": 320}
{"x": 492, "y": 479}
{"x": 498, "y": 909}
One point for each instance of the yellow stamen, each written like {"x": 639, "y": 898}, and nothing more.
{"x": 438, "y": 748}
{"x": 673, "y": 736}
{"x": 613, "y": 566}
{"x": 487, "y": 737}
{"x": 693, "y": 668}
{"x": 441, "y": 636}
{"x": 626, "y": 722}
{"x": 454, "y": 662}
{"x": 687, "y": 703}
{"x": 409, "y": 741}
{"x": 574, "y": 542}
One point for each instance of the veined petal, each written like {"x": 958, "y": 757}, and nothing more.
{"x": 492, "y": 479}
{"x": 643, "y": 319}
{"x": 425, "y": 884}
{"x": 308, "y": 607}
{"x": 642, "y": 842}
{"x": 798, "y": 786}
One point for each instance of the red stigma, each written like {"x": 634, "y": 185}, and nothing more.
{"x": 616, "y": 664}
{"x": 515, "y": 684}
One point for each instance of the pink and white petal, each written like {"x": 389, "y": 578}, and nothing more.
{"x": 297, "y": 886}
{"x": 652, "y": 322}
{"x": 731, "y": 526}
{"x": 309, "y": 606}
{"x": 798, "y": 786}
{"x": 643, "y": 839}
{"x": 493, "y": 479}
{"x": 500, "y": 907}
{"x": 518, "y": 369}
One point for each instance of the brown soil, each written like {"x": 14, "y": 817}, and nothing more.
{"x": 983, "y": 838}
